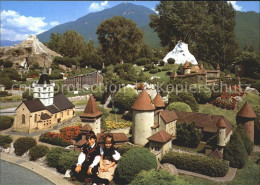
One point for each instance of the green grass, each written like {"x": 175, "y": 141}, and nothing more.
{"x": 253, "y": 100}
{"x": 112, "y": 117}
{"x": 199, "y": 148}
{"x": 161, "y": 74}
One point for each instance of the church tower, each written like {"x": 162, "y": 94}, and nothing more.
{"x": 44, "y": 89}
{"x": 143, "y": 118}
{"x": 92, "y": 115}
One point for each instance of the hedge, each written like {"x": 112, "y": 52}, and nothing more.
{"x": 153, "y": 71}
{"x": 67, "y": 160}
{"x": 53, "y": 155}
{"x": 5, "y": 141}
{"x": 6, "y": 122}
{"x": 179, "y": 106}
{"x": 198, "y": 164}
{"x": 124, "y": 148}
{"x": 54, "y": 140}
{"x": 23, "y": 144}
{"x": 134, "y": 161}
{"x": 37, "y": 152}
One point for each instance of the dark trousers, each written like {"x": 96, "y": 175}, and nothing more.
{"x": 83, "y": 173}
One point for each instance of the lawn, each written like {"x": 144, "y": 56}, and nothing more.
{"x": 188, "y": 149}
{"x": 252, "y": 98}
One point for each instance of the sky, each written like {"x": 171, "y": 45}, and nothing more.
{"x": 19, "y": 19}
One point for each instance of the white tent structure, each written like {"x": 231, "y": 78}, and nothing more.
{"x": 181, "y": 54}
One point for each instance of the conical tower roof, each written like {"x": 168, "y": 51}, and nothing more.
{"x": 246, "y": 111}
{"x": 143, "y": 102}
{"x": 91, "y": 109}
{"x": 158, "y": 102}
{"x": 221, "y": 123}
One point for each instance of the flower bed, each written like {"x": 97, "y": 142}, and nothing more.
{"x": 63, "y": 138}
{"x": 227, "y": 100}
{"x": 115, "y": 125}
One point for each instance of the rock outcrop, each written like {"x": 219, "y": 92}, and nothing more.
{"x": 27, "y": 53}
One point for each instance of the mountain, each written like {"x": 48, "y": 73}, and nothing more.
{"x": 247, "y": 28}
{"x": 31, "y": 48}
{"x": 9, "y": 42}
{"x": 87, "y": 25}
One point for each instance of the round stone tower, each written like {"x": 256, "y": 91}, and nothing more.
{"x": 143, "y": 118}
{"x": 246, "y": 116}
{"x": 221, "y": 132}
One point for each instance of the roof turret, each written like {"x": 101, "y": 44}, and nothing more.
{"x": 91, "y": 109}
{"x": 246, "y": 111}
{"x": 143, "y": 102}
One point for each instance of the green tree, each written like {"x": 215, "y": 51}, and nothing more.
{"x": 8, "y": 64}
{"x": 140, "y": 159}
{"x": 153, "y": 177}
{"x": 208, "y": 27}
{"x": 125, "y": 98}
{"x": 185, "y": 97}
{"x": 235, "y": 151}
{"x": 188, "y": 135}
{"x": 145, "y": 52}
{"x": 27, "y": 95}
{"x": 55, "y": 42}
{"x": 179, "y": 106}
{"x": 120, "y": 38}
{"x": 249, "y": 145}
{"x": 73, "y": 44}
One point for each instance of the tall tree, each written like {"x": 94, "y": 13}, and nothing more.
{"x": 120, "y": 38}
{"x": 209, "y": 26}
{"x": 73, "y": 44}
{"x": 55, "y": 42}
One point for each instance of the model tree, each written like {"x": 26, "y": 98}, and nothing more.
{"x": 120, "y": 39}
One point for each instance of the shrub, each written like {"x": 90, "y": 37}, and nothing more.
{"x": 4, "y": 94}
{"x": 185, "y": 97}
{"x": 54, "y": 139}
{"x": 198, "y": 164}
{"x": 142, "y": 61}
{"x": 153, "y": 177}
{"x": 256, "y": 85}
{"x": 155, "y": 60}
{"x": 161, "y": 63}
{"x": 140, "y": 159}
{"x": 98, "y": 92}
{"x": 23, "y": 144}
{"x": 27, "y": 95}
{"x": 67, "y": 160}
{"x": 166, "y": 68}
{"x": 188, "y": 135}
{"x": 202, "y": 93}
{"x": 235, "y": 151}
{"x": 249, "y": 145}
{"x": 153, "y": 71}
{"x": 149, "y": 66}
{"x": 171, "y": 61}
{"x": 37, "y": 152}
{"x": 124, "y": 148}
{"x": 124, "y": 98}
{"x": 5, "y": 140}
{"x": 179, "y": 106}
{"x": 6, "y": 122}
{"x": 53, "y": 155}
{"x": 8, "y": 64}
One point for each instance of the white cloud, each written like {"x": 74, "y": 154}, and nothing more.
{"x": 17, "y": 27}
{"x": 11, "y": 35}
{"x": 235, "y": 6}
{"x": 94, "y": 7}
{"x": 54, "y": 23}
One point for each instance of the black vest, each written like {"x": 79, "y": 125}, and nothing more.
{"x": 90, "y": 153}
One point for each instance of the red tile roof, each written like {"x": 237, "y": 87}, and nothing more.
{"x": 246, "y": 111}
{"x": 207, "y": 122}
{"x": 168, "y": 116}
{"x": 91, "y": 109}
{"x": 158, "y": 102}
{"x": 143, "y": 102}
{"x": 86, "y": 128}
{"x": 221, "y": 123}
{"x": 161, "y": 137}
{"x": 118, "y": 137}
{"x": 82, "y": 141}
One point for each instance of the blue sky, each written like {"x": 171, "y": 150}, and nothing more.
{"x": 19, "y": 19}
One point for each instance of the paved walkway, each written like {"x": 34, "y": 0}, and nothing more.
{"x": 229, "y": 177}
{"x": 45, "y": 172}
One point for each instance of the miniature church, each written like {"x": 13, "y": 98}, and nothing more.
{"x": 45, "y": 110}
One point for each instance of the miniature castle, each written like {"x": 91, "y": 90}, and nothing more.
{"x": 45, "y": 110}
{"x": 198, "y": 74}
{"x": 155, "y": 127}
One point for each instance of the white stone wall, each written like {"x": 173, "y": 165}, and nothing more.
{"x": 221, "y": 136}
{"x": 166, "y": 147}
{"x": 96, "y": 125}
{"x": 171, "y": 128}
{"x": 45, "y": 93}
{"x": 143, "y": 121}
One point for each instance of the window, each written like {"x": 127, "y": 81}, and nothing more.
{"x": 55, "y": 115}
{"x": 35, "y": 118}
{"x": 23, "y": 119}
